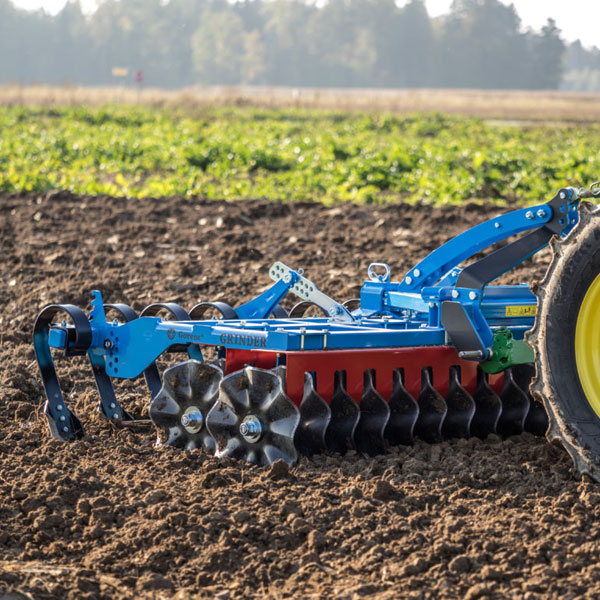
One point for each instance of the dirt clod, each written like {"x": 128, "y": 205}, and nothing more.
{"x": 279, "y": 469}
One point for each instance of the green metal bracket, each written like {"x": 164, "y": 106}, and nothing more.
{"x": 506, "y": 352}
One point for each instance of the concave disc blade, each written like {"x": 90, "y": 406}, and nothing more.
{"x": 374, "y": 415}
{"x": 488, "y": 408}
{"x": 432, "y": 410}
{"x": 339, "y": 436}
{"x": 315, "y": 416}
{"x": 461, "y": 408}
{"x": 404, "y": 411}
{"x": 188, "y": 388}
{"x": 258, "y": 394}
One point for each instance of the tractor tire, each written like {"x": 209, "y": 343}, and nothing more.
{"x": 566, "y": 342}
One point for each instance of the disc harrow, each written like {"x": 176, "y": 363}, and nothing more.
{"x": 439, "y": 354}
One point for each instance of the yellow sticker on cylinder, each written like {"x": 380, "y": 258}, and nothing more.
{"x": 526, "y": 310}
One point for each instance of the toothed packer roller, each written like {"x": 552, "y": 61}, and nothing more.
{"x": 439, "y": 353}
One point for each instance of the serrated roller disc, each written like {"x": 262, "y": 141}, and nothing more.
{"x": 432, "y": 410}
{"x": 404, "y": 412}
{"x": 253, "y": 419}
{"x": 488, "y": 408}
{"x": 536, "y": 421}
{"x": 374, "y": 415}
{"x": 189, "y": 390}
{"x": 345, "y": 415}
{"x": 515, "y": 406}
{"x": 315, "y": 416}
{"x": 461, "y": 408}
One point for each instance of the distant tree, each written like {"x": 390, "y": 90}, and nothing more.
{"x": 482, "y": 45}
{"x": 479, "y": 43}
{"x": 70, "y": 32}
{"x": 8, "y": 41}
{"x": 414, "y": 46}
{"x": 547, "y": 54}
{"x": 218, "y": 47}
{"x": 253, "y": 65}
{"x": 286, "y": 43}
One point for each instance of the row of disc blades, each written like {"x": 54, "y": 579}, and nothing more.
{"x": 247, "y": 414}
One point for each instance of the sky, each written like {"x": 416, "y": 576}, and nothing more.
{"x": 578, "y": 19}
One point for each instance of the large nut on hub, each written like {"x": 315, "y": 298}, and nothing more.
{"x": 251, "y": 429}
{"x": 192, "y": 420}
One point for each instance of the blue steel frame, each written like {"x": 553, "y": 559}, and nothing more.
{"x": 391, "y": 315}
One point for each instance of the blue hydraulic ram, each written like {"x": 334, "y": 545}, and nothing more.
{"x": 439, "y": 353}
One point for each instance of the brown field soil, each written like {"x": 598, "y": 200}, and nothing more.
{"x": 506, "y": 105}
{"x": 111, "y": 517}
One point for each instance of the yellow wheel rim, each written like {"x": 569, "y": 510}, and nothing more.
{"x": 587, "y": 345}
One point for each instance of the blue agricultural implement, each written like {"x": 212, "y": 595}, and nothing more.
{"x": 438, "y": 354}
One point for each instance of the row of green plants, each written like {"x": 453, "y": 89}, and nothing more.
{"x": 237, "y": 153}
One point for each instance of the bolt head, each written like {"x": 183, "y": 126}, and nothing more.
{"x": 62, "y": 418}
{"x": 251, "y": 429}
{"x": 497, "y": 225}
{"x": 541, "y": 213}
{"x": 472, "y": 295}
{"x": 115, "y": 417}
{"x": 287, "y": 277}
{"x": 108, "y": 344}
{"x": 529, "y": 215}
{"x": 59, "y": 407}
{"x": 562, "y": 195}
{"x": 408, "y": 279}
{"x": 455, "y": 293}
{"x": 192, "y": 420}
{"x": 113, "y": 405}
{"x": 417, "y": 273}
{"x": 65, "y": 429}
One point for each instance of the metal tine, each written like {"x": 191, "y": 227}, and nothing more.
{"x": 315, "y": 416}
{"x": 404, "y": 412}
{"x": 515, "y": 406}
{"x": 488, "y": 407}
{"x": 536, "y": 421}
{"x": 432, "y": 410}
{"x": 461, "y": 408}
{"x": 374, "y": 415}
{"x": 345, "y": 415}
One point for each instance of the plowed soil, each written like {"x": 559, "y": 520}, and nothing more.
{"x": 111, "y": 517}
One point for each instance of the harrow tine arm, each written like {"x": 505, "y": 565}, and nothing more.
{"x": 558, "y": 215}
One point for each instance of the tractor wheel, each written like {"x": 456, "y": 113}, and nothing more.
{"x": 566, "y": 341}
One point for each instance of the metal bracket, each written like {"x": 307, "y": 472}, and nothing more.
{"x": 506, "y": 352}
{"x": 307, "y": 290}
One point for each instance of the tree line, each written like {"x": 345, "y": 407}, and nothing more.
{"x": 338, "y": 43}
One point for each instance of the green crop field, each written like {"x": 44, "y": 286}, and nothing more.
{"x": 293, "y": 154}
